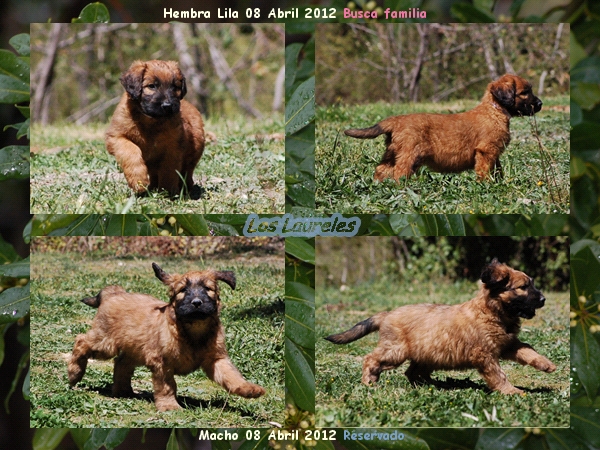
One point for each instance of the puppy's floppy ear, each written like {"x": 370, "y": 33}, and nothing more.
{"x": 183, "y": 87}
{"x": 504, "y": 91}
{"x": 161, "y": 274}
{"x": 227, "y": 276}
{"x": 494, "y": 276}
{"x": 133, "y": 78}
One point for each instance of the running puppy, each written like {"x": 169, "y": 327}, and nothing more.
{"x": 475, "y": 334}
{"x": 156, "y": 137}
{"x": 174, "y": 338}
{"x": 454, "y": 142}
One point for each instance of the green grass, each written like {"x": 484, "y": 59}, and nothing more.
{"x": 344, "y": 167}
{"x": 252, "y": 316}
{"x": 242, "y": 172}
{"x": 343, "y": 401}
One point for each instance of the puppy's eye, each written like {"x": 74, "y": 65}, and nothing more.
{"x": 151, "y": 86}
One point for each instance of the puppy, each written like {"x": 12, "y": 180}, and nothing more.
{"x": 156, "y": 137}
{"x": 454, "y": 142}
{"x": 472, "y": 335}
{"x": 170, "y": 339}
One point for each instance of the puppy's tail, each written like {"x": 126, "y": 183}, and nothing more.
{"x": 94, "y": 302}
{"x": 359, "y": 330}
{"x": 366, "y": 133}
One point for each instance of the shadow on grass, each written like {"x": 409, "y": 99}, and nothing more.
{"x": 186, "y": 402}
{"x": 451, "y": 384}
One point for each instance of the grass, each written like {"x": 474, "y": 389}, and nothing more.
{"x": 342, "y": 401}
{"x": 242, "y": 172}
{"x": 344, "y": 167}
{"x": 252, "y": 315}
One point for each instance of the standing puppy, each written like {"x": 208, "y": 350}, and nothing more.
{"x": 156, "y": 137}
{"x": 473, "y": 335}
{"x": 454, "y": 142}
{"x": 174, "y": 338}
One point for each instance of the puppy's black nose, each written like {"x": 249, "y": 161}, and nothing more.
{"x": 197, "y": 302}
{"x": 166, "y": 106}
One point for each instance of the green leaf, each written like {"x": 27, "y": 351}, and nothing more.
{"x": 19, "y": 269}
{"x": 93, "y": 13}
{"x": 500, "y": 439}
{"x": 44, "y": 224}
{"x": 300, "y": 314}
{"x": 585, "y": 422}
{"x": 587, "y": 95}
{"x": 25, "y": 110}
{"x": 443, "y": 225}
{"x": 300, "y": 249}
{"x": 468, "y": 13}
{"x": 585, "y": 265}
{"x": 80, "y": 436}
{"x": 11, "y": 66}
{"x": 260, "y": 444}
{"x": 108, "y": 438}
{"x": 48, "y": 438}
{"x": 26, "y": 392}
{"x": 172, "y": 443}
{"x": 22, "y": 128}
{"x": 13, "y": 90}
{"x": 380, "y": 439}
{"x": 578, "y": 168}
{"x": 193, "y": 224}
{"x": 585, "y": 359}
{"x": 122, "y": 225}
{"x": 443, "y": 438}
{"x": 291, "y": 64}
{"x": 14, "y": 162}
{"x": 14, "y": 303}
{"x": 300, "y": 110}
{"x": 7, "y": 252}
{"x": 299, "y": 375}
{"x": 566, "y": 439}
{"x": 20, "y": 43}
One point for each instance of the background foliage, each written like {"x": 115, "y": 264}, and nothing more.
{"x": 366, "y": 63}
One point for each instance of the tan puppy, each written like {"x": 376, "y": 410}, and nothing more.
{"x": 173, "y": 338}
{"x": 454, "y": 142}
{"x": 472, "y": 335}
{"x": 156, "y": 137}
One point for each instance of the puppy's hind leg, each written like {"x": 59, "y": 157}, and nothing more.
{"x": 223, "y": 372}
{"x": 379, "y": 360}
{"x": 122, "y": 377}
{"x": 496, "y": 379}
{"x": 418, "y": 374}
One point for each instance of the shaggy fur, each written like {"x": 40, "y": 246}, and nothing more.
{"x": 156, "y": 137}
{"x": 454, "y": 142}
{"x": 475, "y": 334}
{"x": 173, "y": 338}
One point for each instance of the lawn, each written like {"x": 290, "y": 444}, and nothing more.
{"x": 252, "y": 314}
{"x": 241, "y": 172}
{"x": 342, "y": 401}
{"x": 344, "y": 167}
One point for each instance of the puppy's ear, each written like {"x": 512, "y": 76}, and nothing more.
{"x": 504, "y": 91}
{"x": 162, "y": 275}
{"x": 183, "y": 87}
{"x": 495, "y": 276}
{"x": 133, "y": 78}
{"x": 227, "y": 276}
